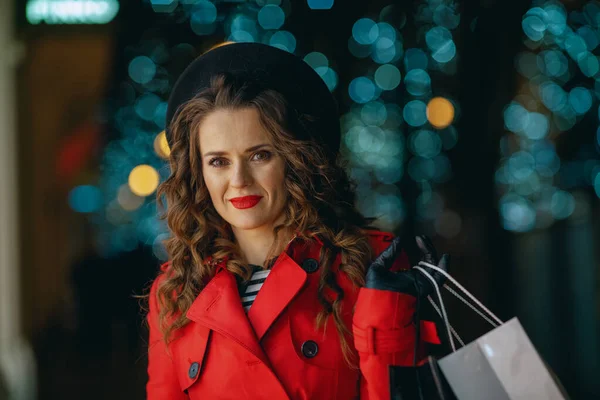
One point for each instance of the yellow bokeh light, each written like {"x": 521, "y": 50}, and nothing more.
{"x": 440, "y": 112}
{"x": 161, "y": 145}
{"x": 143, "y": 180}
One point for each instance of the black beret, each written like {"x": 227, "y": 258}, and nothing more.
{"x": 269, "y": 68}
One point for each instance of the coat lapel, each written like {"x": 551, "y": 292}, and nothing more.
{"x": 281, "y": 286}
{"x": 219, "y": 307}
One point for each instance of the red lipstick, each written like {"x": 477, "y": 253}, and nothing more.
{"x": 245, "y": 202}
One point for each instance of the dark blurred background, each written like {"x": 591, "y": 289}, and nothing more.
{"x": 475, "y": 122}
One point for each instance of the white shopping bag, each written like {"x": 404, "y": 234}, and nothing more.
{"x": 500, "y": 365}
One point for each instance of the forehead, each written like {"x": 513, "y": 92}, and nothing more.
{"x": 232, "y": 130}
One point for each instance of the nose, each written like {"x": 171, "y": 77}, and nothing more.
{"x": 241, "y": 176}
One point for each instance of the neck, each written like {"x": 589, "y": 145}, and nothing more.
{"x": 255, "y": 244}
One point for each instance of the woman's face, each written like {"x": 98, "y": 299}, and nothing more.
{"x": 242, "y": 172}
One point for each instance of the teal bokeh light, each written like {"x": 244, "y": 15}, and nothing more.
{"x": 553, "y": 96}
{"x": 142, "y": 69}
{"x": 415, "y": 113}
{"x": 417, "y": 82}
{"x": 580, "y": 99}
{"x": 85, "y": 199}
{"x": 362, "y": 90}
{"x": 316, "y": 60}
{"x": 387, "y": 77}
{"x": 283, "y": 40}
{"x": 517, "y": 213}
{"x": 271, "y": 16}
{"x": 365, "y": 31}
{"x": 320, "y": 4}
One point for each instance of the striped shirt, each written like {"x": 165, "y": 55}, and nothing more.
{"x": 249, "y": 290}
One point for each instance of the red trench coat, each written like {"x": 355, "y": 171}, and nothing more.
{"x": 274, "y": 352}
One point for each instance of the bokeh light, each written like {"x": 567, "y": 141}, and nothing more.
{"x": 440, "y": 112}
{"x": 415, "y": 113}
{"x": 387, "y": 77}
{"x": 271, "y": 16}
{"x": 143, "y": 180}
{"x": 161, "y": 146}
{"x": 127, "y": 199}
{"x": 85, "y": 199}
{"x": 417, "y": 82}
{"x": 365, "y": 31}
{"x": 142, "y": 69}
{"x": 283, "y": 40}
{"x": 362, "y": 90}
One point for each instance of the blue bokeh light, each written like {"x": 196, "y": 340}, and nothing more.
{"x": 85, "y": 199}
{"x": 417, "y": 82}
{"x": 271, "y": 16}
{"x": 362, "y": 90}
{"x": 365, "y": 31}
{"x": 553, "y": 63}
{"x": 557, "y": 19}
{"x": 387, "y": 77}
{"x": 146, "y": 106}
{"x": 142, "y": 69}
{"x": 562, "y": 204}
{"x": 425, "y": 143}
{"x": 446, "y": 16}
{"x": 415, "y": 113}
{"x": 516, "y": 118}
{"x": 518, "y": 213}
{"x": 588, "y": 64}
{"x": 580, "y": 99}
{"x": 553, "y": 96}
{"x": 373, "y": 113}
{"x": 537, "y": 127}
{"x": 329, "y": 76}
{"x": 320, "y": 4}
{"x": 534, "y": 27}
{"x": 203, "y": 17}
{"x": 316, "y": 60}
{"x": 283, "y": 40}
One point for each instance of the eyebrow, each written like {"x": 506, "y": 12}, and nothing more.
{"x": 248, "y": 150}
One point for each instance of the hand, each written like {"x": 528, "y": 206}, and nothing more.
{"x": 411, "y": 281}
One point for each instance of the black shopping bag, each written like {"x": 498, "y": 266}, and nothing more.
{"x": 425, "y": 382}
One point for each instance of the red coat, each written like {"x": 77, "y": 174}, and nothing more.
{"x": 275, "y": 353}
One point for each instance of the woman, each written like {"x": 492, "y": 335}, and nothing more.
{"x": 271, "y": 291}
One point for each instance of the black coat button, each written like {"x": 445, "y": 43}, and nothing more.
{"x": 310, "y": 265}
{"x": 193, "y": 371}
{"x": 309, "y": 349}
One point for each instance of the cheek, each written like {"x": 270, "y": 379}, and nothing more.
{"x": 214, "y": 185}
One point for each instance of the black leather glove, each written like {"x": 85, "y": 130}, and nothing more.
{"x": 410, "y": 281}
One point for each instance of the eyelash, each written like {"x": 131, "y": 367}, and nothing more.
{"x": 266, "y": 157}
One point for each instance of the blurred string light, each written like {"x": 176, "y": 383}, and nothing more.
{"x": 376, "y": 127}
{"x": 561, "y": 86}
{"x": 71, "y": 11}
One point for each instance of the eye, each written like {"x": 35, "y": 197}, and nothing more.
{"x": 261, "y": 155}
{"x": 217, "y": 162}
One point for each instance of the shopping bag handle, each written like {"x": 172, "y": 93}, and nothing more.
{"x": 465, "y": 291}
{"x": 439, "y": 295}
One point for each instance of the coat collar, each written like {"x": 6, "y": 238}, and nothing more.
{"x": 219, "y": 307}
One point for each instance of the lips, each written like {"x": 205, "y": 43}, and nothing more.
{"x": 245, "y": 202}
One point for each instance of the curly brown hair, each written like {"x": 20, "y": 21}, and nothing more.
{"x": 320, "y": 203}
